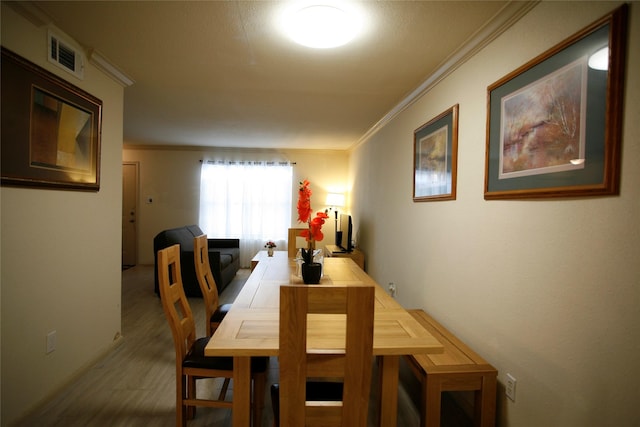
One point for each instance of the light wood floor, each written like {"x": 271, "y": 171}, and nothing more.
{"x": 134, "y": 385}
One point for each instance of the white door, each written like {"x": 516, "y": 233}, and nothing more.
{"x": 129, "y": 213}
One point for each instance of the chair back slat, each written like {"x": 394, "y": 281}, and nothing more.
{"x": 174, "y": 301}
{"x": 292, "y": 247}
{"x": 205, "y": 278}
{"x": 352, "y": 364}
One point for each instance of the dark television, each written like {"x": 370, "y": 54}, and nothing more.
{"x": 346, "y": 229}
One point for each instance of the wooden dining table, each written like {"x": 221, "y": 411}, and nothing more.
{"x": 251, "y": 327}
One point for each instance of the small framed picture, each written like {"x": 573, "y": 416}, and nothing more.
{"x": 50, "y": 129}
{"x": 554, "y": 125}
{"x": 435, "y": 158}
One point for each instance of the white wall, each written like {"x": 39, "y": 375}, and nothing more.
{"x": 172, "y": 177}
{"x": 60, "y": 254}
{"x": 548, "y": 291}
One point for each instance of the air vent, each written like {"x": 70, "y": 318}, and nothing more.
{"x": 65, "y": 56}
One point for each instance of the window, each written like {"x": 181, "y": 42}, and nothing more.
{"x": 246, "y": 200}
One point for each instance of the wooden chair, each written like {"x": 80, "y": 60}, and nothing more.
{"x": 293, "y": 399}
{"x": 291, "y": 241}
{"x": 191, "y": 364}
{"x": 214, "y": 313}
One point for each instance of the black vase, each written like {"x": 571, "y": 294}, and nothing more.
{"x": 311, "y": 273}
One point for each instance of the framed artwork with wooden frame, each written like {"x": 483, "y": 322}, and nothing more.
{"x": 435, "y": 158}
{"x": 554, "y": 125}
{"x": 51, "y": 129}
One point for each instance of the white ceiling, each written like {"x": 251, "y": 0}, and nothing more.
{"x": 218, "y": 73}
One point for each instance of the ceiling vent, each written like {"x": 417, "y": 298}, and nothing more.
{"x": 65, "y": 56}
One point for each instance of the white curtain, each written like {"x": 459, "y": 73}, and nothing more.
{"x": 246, "y": 200}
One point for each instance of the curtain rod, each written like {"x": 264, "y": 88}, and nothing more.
{"x": 247, "y": 162}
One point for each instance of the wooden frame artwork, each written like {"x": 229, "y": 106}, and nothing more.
{"x": 554, "y": 125}
{"x": 50, "y": 129}
{"x": 435, "y": 158}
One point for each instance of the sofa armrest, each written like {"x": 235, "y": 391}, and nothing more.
{"x": 223, "y": 243}
{"x": 214, "y": 260}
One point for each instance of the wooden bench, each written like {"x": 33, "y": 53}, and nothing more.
{"x": 457, "y": 369}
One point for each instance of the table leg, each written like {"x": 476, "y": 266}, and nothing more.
{"x": 389, "y": 390}
{"x": 241, "y": 414}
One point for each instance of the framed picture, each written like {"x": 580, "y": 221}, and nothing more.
{"x": 50, "y": 129}
{"x": 435, "y": 158}
{"x": 554, "y": 125}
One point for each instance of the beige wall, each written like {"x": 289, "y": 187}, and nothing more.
{"x": 548, "y": 291}
{"x": 171, "y": 176}
{"x": 60, "y": 255}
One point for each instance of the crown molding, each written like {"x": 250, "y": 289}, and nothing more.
{"x": 505, "y": 18}
{"x": 106, "y": 66}
{"x": 31, "y": 12}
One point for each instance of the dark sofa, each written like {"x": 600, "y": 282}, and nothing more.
{"x": 224, "y": 257}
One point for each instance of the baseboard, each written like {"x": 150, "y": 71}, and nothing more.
{"x": 117, "y": 340}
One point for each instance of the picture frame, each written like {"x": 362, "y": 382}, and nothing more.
{"x": 51, "y": 129}
{"x": 554, "y": 125}
{"x": 435, "y": 158}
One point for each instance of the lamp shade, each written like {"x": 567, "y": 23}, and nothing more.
{"x": 335, "y": 199}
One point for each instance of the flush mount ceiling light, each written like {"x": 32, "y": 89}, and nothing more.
{"x": 321, "y": 25}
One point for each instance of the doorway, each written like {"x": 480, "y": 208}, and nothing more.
{"x": 129, "y": 214}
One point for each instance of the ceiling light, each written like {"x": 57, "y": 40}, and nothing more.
{"x": 321, "y": 25}
{"x": 600, "y": 59}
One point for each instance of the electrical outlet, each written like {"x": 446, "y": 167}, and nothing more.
{"x": 511, "y": 387}
{"x": 392, "y": 289}
{"x": 51, "y": 341}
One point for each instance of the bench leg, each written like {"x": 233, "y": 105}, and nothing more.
{"x": 485, "y": 402}
{"x": 431, "y": 402}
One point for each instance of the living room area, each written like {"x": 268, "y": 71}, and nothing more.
{"x": 176, "y": 196}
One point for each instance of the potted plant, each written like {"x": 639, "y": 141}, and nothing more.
{"x": 311, "y": 271}
{"x": 270, "y": 245}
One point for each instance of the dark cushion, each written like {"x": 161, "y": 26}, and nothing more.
{"x": 316, "y": 391}
{"x": 220, "y": 312}
{"x": 225, "y": 259}
{"x": 195, "y": 358}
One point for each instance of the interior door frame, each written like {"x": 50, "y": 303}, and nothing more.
{"x": 137, "y": 206}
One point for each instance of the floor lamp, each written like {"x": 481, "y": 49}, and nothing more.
{"x": 334, "y": 201}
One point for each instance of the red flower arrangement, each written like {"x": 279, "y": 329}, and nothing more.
{"x": 314, "y": 231}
